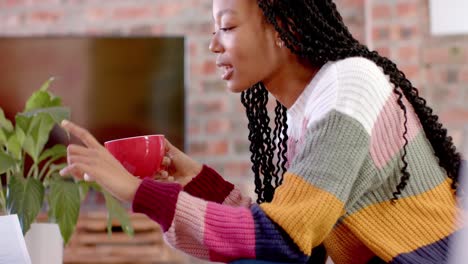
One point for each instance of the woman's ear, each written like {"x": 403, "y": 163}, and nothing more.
{"x": 279, "y": 41}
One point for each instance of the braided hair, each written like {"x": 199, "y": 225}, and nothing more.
{"x": 264, "y": 144}
{"x": 314, "y": 31}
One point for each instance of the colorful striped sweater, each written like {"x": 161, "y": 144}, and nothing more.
{"x": 345, "y": 147}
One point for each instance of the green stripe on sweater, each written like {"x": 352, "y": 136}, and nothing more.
{"x": 332, "y": 154}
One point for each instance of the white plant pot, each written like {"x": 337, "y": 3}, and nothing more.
{"x": 45, "y": 243}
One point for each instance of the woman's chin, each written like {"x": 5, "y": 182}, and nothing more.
{"x": 235, "y": 87}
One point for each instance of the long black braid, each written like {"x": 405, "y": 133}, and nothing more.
{"x": 263, "y": 145}
{"x": 314, "y": 30}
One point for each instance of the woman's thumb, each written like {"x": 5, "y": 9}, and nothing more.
{"x": 167, "y": 145}
{"x": 171, "y": 151}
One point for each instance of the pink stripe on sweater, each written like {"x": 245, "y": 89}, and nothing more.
{"x": 186, "y": 231}
{"x": 236, "y": 198}
{"x": 229, "y": 232}
{"x": 387, "y": 133}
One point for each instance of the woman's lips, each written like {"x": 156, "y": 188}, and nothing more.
{"x": 227, "y": 73}
{"x": 228, "y": 70}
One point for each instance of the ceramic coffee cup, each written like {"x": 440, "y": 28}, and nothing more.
{"x": 141, "y": 156}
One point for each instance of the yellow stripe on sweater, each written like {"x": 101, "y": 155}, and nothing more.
{"x": 305, "y": 212}
{"x": 412, "y": 222}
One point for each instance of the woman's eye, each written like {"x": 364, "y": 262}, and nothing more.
{"x": 226, "y": 29}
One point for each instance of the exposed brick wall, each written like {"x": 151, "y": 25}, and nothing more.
{"x": 216, "y": 124}
{"x": 217, "y": 131}
{"x": 437, "y": 65}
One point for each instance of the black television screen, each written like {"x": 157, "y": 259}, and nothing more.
{"x": 115, "y": 86}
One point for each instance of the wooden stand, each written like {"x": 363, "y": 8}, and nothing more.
{"x": 91, "y": 244}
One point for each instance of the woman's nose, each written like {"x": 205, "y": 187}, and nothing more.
{"x": 215, "y": 45}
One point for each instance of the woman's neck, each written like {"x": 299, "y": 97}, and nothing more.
{"x": 288, "y": 83}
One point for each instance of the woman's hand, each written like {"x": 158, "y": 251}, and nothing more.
{"x": 179, "y": 167}
{"x": 94, "y": 162}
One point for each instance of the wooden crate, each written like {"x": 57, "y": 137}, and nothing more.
{"x": 90, "y": 244}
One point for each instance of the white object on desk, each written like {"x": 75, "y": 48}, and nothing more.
{"x": 12, "y": 245}
{"x": 45, "y": 243}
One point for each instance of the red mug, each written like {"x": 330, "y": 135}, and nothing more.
{"x": 141, "y": 156}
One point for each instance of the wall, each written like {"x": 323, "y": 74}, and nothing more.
{"x": 216, "y": 124}
{"x": 437, "y": 65}
{"x": 216, "y": 128}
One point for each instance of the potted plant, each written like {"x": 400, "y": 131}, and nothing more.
{"x": 31, "y": 180}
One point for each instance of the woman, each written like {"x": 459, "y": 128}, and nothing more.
{"x": 362, "y": 166}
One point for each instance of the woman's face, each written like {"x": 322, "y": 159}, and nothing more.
{"x": 245, "y": 44}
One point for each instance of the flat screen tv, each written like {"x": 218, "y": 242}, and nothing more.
{"x": 115, "y": 86}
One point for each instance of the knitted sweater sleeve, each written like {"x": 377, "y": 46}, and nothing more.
{"x": 210, "y": 186}
{"x": 305, "y": 208}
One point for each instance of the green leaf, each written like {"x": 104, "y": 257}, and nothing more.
{"x": 2, "y": 201}
{"x": 3, "y": 138}
{"x": 6, "y": 127}
{"x": 54, "y": 169}
{"x": 37, "y": 135}
{"x": 84, "y": 189}
{"x": 116, "y": 211}
{"x": 4, "y": 122}
{"x": 24, "y": 198}
{"x": 42, "y": 98}
{"x": 64, "y": 199}
{"x": 14, "y": 146}
{"x": 54, "y": 153}
{"x": 6, "y": 162}
{"x": 22, "y": 127}
{"x": 46, "y": 85}
{"x": 33, "y": 128}
{"x": 57, "y": 113}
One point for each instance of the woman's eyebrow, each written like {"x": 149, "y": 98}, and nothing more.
{"x": 223, "y": 12}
